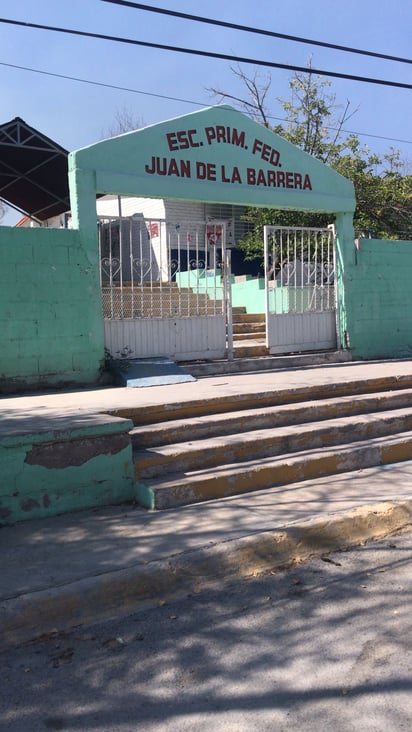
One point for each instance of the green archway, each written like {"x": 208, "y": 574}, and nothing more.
{"x": 216, "y": 155}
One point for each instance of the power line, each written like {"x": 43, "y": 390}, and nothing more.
{"x": 259, "y": 31}
{"x": 175, "y": 99}
{"x": 208, "y": 54}
{"x": 101, "y": 83}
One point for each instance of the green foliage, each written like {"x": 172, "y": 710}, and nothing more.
{"x": 252, "y": 242}
{"x": 314, "y": 122}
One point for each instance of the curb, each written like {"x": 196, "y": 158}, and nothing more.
{"x": 120, "y": 593}
{"x": 265, "y": 363}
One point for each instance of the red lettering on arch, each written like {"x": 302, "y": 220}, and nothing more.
{"x": 289, "y": 180}
{"x": 261, "y": 180}
{"x": 307, "y": 183}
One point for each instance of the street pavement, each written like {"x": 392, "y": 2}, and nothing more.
{"x": 78, "y": 569}
{"x": 324, "y": 646}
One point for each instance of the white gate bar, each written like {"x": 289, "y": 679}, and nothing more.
{"x": 300, "y": 288}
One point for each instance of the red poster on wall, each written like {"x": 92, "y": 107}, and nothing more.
{"x": 214, "y": 234}
{"x": 153, "y": 230}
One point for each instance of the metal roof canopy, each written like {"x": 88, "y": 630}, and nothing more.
{"x": 33, "y": 171}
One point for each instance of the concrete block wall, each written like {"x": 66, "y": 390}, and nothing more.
{"x": 250, "y": 294}
{"x": 71, "y": 464}
{"x": 378, "y": 294}
{"x": 50, "y": 308}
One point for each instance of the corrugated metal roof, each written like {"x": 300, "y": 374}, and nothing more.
{"x": 33, "y": 171}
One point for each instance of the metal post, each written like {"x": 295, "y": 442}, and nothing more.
{"x": 228, "y": 301}
{"x": 266, "y": 232}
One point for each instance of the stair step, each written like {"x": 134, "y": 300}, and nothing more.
{"x": 153, "y": 298}
{"x": 248, "y": 317}
{"x": 232, "y": 479}
{"x": 217, "y": 451}
{"x": 208, "y": 425}
{"x": 248, "y": 349}
{"x": 259, "y": 364}
{"x": 254, "y": 336}
{"x": 255, "y": 399}
{"x": 136, "y": 285}
{"x": 249, "y": 328}
{"x": 163, "y": 312}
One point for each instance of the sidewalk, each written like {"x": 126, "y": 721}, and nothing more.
{"x": 42, "y": 411}
{"x": 84, "y": 567}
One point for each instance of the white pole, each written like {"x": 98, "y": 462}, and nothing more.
{"x": 228, "y": 287}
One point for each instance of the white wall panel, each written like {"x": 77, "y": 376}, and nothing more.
{"x": 179, "y": 338}
{"x": 294, "y": 332}
{"x": 149, "y": 207}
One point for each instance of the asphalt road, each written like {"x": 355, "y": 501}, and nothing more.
{"x": 326, "y": 645}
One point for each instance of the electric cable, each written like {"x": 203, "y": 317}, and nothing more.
{"x": 206, "y": 54}
{"x": 176, "y": 99}
{"x": 259, "y": 31}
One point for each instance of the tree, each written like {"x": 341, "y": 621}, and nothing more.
{"x": 314, "y": 121}
{"x": 124, "y": 121}
{"x": 383, "y": 194}
{"x": 257, "y": 88}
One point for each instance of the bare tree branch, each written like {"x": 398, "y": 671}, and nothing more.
{"x": 124, "y": 121}
{"x": 257, "y": 88}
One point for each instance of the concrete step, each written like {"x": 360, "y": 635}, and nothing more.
{"x": 154, "y": 298}
{"x": 248, "y": 317}
{"x": 253, "y": 336}
{"x": 136, "y": 285}
{"x": 157, "y": 293}
{"x": 245, "y": 420}
{"x": 257, "y": 399}
{"x": 254, "y": 364}
{"x": 215, "y": 451}
{"x": 209, "y": 449}
{"x": 249, "y": 349}
{"x": 145, "y": 287}
{"x": 249, "y": 328}
{"x": 234, "y": 479}
{"x": 163, "y": 312}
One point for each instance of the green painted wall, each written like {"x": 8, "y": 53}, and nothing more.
{"x": 50, "y": 308}
{"x": 62, "y": 470}
{"x": 249, "y": 293}
{"x": 377, "y": 307}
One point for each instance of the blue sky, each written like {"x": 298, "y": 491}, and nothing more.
{"x": 76, "y": 114}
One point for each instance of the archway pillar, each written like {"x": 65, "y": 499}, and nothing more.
{"x": 82, "y": 185}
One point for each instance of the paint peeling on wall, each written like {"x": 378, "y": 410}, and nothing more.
{"x": 72, "y": 453}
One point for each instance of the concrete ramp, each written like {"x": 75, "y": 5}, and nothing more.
{"x": 149, "y": 372}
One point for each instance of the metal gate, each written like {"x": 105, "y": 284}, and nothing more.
{"x": 301, "y": 310}
{"x": 165, "y": 288}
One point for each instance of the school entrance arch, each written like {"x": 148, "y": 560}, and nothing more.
{"x": 166, "y": 287}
